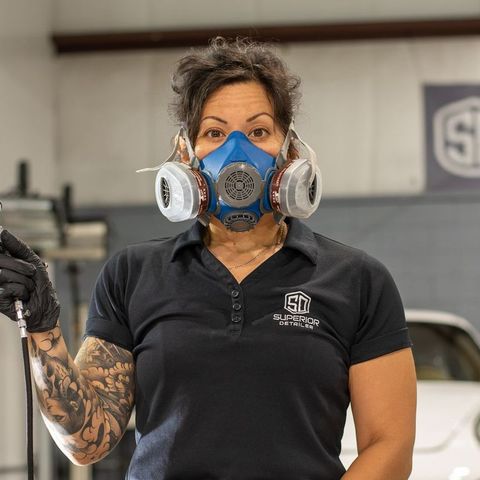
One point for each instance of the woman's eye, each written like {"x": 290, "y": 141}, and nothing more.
{"x": 259, "y": 132}
{"x": 213, "y": 133}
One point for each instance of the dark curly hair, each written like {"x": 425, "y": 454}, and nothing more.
{"x": 227, "y": 61}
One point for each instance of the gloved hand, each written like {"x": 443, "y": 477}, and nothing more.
{"x": 24, "y": 276}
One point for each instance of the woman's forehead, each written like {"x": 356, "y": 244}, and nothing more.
{"x": 246, "y": 98}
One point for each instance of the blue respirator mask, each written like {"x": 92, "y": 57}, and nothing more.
{"x": 238, "y": 183}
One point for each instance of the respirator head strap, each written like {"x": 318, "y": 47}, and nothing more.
{"x": 283, "y": 154}
{"x": 183, "y": 132}
{"x": 278, "y": 216}
{"x": 175, "y": 154}
{"x": 170, "y": 158}
{"x": 311, "y": 152}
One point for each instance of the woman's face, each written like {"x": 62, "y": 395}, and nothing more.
{"x": 240, "y": 106}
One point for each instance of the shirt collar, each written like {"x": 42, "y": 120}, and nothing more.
{"x": 299, "y": 237}
{"x": 192, "y": 236}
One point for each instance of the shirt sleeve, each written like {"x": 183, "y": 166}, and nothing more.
{"x": 382, "y": 325}
{"x": 107, "y": 316}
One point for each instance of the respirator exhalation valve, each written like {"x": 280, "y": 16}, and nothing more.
{"x": 240, "y": 221}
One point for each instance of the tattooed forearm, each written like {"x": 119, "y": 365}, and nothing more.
{"x": 86, "y": 403}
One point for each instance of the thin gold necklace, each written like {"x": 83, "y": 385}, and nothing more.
{"x": 278, "y": 241}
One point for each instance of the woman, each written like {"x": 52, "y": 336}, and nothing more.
{"x": 242, "y": 340}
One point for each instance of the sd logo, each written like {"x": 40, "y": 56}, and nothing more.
{"x": 456, "y": 133}
{"x": 297, "y": 302}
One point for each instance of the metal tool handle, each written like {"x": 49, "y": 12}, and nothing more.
{"x": 22, "y": 324}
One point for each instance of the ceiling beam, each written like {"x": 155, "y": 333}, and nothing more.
{"x": 65, "y": 43}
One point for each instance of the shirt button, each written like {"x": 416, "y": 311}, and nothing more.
{"x": 237, "y": 306}
{"x": 236, "y": 318}
{"x": 235, "y": 293}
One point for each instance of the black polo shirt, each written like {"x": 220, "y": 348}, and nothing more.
{"x": 244, "y": 381}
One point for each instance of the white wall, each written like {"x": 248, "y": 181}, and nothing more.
{"x": 26, "y": 93}
{"x": 72, "y": 15}
{"x": 113, "y": 120}
{"x": 362, "y": 112}
{"x": 26, "y": 131}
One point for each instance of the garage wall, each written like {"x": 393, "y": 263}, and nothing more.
{"x": 26, "y": 131}
{"x": 71, "y": 15}
{"x": 26, "y": 93}
{"x": 362, "y": 113}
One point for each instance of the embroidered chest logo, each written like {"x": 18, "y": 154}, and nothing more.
{"x": 297, "y": 302}
{"x": 298, "y": 305}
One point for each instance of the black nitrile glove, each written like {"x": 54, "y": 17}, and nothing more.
{"x": 24, "y": 276}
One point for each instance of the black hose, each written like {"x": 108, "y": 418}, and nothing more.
{"x": 29, "y": 398}
{"x": 26, "y": 361}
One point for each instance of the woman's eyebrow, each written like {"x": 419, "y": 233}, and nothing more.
{"x": 251, "y": 119}
{"x": 257, "y": 115}
{"x": 214, "y": 118}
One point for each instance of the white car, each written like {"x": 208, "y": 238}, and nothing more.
{"x": 447, "y": 360}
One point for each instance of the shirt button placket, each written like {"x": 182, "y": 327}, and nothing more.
{"x": 235, "y": 326}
